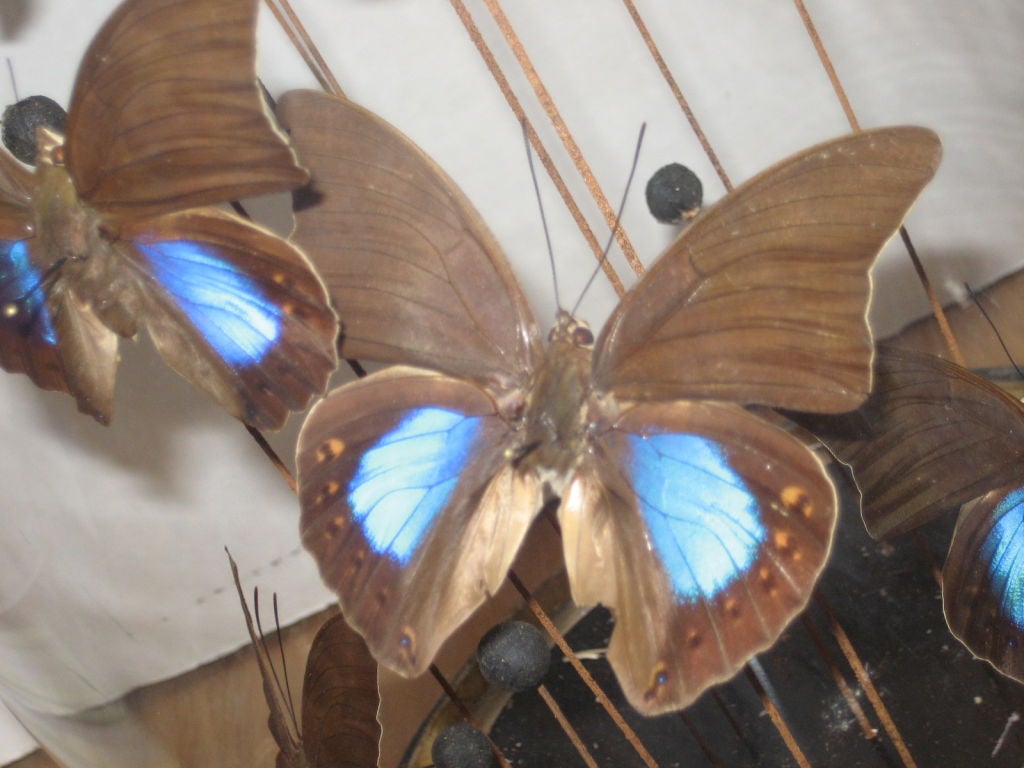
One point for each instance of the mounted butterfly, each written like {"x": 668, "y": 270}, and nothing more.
{"x": 114, "y": 231}
{"x": 934, "y": 436}
{"x": 701, "y": 525}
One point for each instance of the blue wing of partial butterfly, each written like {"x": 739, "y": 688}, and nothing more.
{"x": 738, "y": 516}
{"x": 23, "y": 310}
{"x": 38, "y": 320}
{"x": 410, "y": 506}
{"x": 983, "y": 579}
{"x": 234, "y": 309}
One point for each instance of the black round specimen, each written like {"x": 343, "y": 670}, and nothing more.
{"x": 514, "y": 656}
{"x": 21, "y": 120}
{"x": 674, "y": 193}
{"x": 460, "y": 745}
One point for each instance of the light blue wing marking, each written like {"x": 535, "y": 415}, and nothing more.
{"x": 22, "y": 297}
{"x": 703, "y": 520}
{"x": 226, "y": 306}
{"x": 1002, "y": 551}
{"x": 406, "y": 479}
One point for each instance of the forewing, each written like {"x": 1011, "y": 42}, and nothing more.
{"x": 704, "y": 529}
{"x": 412, "y": 268}
{"x": 231, "y": 307}
{"x": 931, "y": 437}
{"x": 340, "y": 700}
{"x": 763, "y": 298}
{"x": 410, "y": 506}
{"x": 983, "y": 580}
{"x": 166, "y": 113}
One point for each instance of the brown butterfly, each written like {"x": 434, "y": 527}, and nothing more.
{"x": 934, "y": 436}
{"x": 113, "y": 231}
{"x": 701, "y": 525}
{"x": 339, "y": 698}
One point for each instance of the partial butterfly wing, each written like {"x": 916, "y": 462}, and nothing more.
{"x": 931, "y": 437}
{"x": 419, "y": 278}
{"x": 166, "y": 113}
{"x": 763, "y": 298}
{"x": 15, "y": 195}
{"x": 983, "y": 579}
{"x": 340, "y": 700}
{"x": 704, "y": 528}
{"x": 405, "y": 484}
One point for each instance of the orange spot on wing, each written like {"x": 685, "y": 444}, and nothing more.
{"x": 796, "y": 500}
{"x": 330, "y": 449}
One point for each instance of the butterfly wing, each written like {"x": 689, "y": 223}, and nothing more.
{"x": 704, "y": 529}
{"x": 763, "y": 298}
{"x": 166, "y": 113}
{"x": 15, "y": 193}
{"x": 410, "y": 506}
{"x": 414, "y": 270}
{"x": 931, "y": 437}
{"x": 983, "y": 579}
{"x": 231, "y": 307}
{"x": 340, "y": 700}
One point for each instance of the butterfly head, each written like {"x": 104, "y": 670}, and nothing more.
{"x": 571, "y": 331}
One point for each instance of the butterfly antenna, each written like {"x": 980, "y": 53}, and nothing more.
{"x": 618, "y": 220}
{"x": 992, "y": 325}
{"x": 14, "y": 83}
{"x": 266, "y": 651}
{"x": 540, "y": 205}
{"x": 284, "y": 667}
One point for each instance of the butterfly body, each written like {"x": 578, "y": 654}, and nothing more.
{"x": 558, "y": 413}
{"x": 701, "y": 525}
{"x": 115, "y": 231}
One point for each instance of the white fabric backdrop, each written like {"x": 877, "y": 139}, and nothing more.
{"x": 112, "y": 572}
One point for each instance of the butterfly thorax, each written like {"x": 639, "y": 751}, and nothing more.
{"x": 556, "y": 416}
{"x": 66, "y": 229}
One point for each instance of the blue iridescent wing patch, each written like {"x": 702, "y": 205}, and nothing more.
{"x": 703, "y": 519}
{"x": 407, "y": 477}
{"x": 227, "y": 307}
{"x": 983, "y": 579}
{"x": 22, "y": 294}
{"x": 1002, "y": 552}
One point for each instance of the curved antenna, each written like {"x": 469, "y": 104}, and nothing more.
{"x": 540, "y": 205}
{"x": 618, "y": 220}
